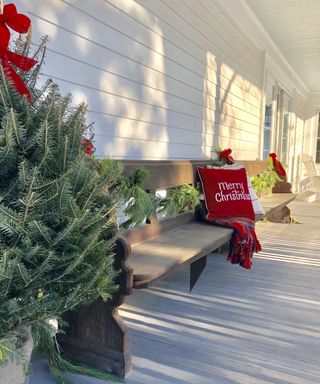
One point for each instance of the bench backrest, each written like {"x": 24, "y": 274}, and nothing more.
{"x": 169, "y": 174}
{"x": 172, "y": 173}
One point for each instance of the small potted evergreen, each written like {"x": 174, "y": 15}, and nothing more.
{"x": 57, "y": 220}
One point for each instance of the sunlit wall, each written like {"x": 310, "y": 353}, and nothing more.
{"x": 162, "y": 79}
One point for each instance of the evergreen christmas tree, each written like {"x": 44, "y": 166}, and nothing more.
{"x": 57, "y": 214}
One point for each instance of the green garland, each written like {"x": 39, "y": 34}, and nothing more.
{"x": 264, "y": 183}
{"x": 180, "y": 199}
{"x": 140, "y": 204}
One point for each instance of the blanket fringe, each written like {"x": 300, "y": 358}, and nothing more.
{"x": 244, "y": 241}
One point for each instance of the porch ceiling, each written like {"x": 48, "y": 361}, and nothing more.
{"x": 294, "y": 26}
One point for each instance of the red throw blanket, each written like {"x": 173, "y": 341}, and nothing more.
{"x": 228, "y": 204}
{"x": 243, "y": 242}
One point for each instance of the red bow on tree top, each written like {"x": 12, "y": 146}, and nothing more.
{"x": 20, "y": 23}
{"x": 277, "y": 165}
{"x": 11, "y": 18}
{"x": 225, "y": 154}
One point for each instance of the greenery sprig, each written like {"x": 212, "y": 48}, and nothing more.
{"x": 178, "y": 200}
{"x": 139, "y": 204}
{"x": 265, "y": 182}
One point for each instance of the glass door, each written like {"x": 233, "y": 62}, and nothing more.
{"x": 283, "y": 126}
{"x": 318, "y": 143}
{"x": 268, "y": 119}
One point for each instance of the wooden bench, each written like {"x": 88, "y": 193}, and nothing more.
{"x": 97, "y": 335}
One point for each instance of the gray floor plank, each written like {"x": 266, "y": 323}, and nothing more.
{"x": 236, "y": 327}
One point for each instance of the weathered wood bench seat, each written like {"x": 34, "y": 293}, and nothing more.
{"x": 171, "y": 245}
{"x": 161, "y": 247}
{"x": 97, "y": 335}
{"x": 178, "y": 241}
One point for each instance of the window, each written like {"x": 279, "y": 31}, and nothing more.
{"x": 283, "y": 130}
{"x": 277, "y": 129}
{"x": 268, "y": 119}
{"x": 318, "y": 143}
{"x": 267, "y": 130}
{"x": 285, "y": 125}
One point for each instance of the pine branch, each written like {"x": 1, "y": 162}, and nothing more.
{"x": 57, "y": 211}
{"x": 180, "y": 199}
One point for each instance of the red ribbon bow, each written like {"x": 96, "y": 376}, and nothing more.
{"x": 11, "y": 18}
{"x": 225, "y": 154}
{"x": 87, "y": 146}
{"x": 277, "y": 165}
{"x": 19, "y": 61}
{"x": 20, "y": 23}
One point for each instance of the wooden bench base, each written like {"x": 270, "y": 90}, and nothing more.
{"x": 275, "y": 207}
{"x": 97, "y": 336}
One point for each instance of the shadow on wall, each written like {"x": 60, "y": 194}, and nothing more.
{"x": 140, "y": 111}
{"x": 231, "y": 115}
{"x": 153, "y": 90}
{"x": 118, "y": 72}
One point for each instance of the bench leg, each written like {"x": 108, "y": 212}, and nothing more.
{"x": 279, "y": 216}
{"x": 196, "y": 269}
{"x": 96, "y": 335}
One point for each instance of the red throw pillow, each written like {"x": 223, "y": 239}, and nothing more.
{"x": 226, "y": 193}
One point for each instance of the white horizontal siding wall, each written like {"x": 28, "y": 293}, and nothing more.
{"x": 162, "y": 79}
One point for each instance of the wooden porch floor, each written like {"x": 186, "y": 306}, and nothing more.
{"x": 236, "y": 327}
